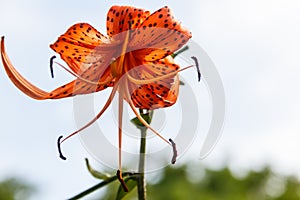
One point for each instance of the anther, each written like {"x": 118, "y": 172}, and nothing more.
{"x": 59, "y": 149}
{"x": 51, "y": 65}
{"x": 197, "y": 66}
{"x": 120, "y": 178}
{"x": 174, "y": 151}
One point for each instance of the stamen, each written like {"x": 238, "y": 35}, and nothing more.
{"x": 120, "y": 178}
{"x": 197, "y": 66}
{"x": 59, "y": 148}
{"x": 51, "y": 65}
{"x": 142, "y": 120}
{"x": 108, "y": 102}
{"x": 81, "y": 78}
{"x": 174, "y": 151}
{"x": 147, "y": 81}
{"x": 151, "y": 80}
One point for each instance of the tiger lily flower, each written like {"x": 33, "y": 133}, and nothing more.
{"x": 134, "y": 59}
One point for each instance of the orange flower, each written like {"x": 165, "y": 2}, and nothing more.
{"x": 134, "y": 59}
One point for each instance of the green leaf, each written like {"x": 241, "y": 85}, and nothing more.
{"x": 131, "y": 183}
{"x": 96, "y": 173}
{"x": 181, "y": 83}
{"x": 147, "y": 117}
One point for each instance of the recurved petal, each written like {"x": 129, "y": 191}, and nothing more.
{"x": 82, "y": 45}
{"x": 80, "y": 86}
{"x": 123, "y": 18}
{"x": 159, "y": 35}
{"x": 155, "y": 95}
{"x": 162, "y": 91}
{"x": 76, "y": 87}
{"x": 18, "y": 80}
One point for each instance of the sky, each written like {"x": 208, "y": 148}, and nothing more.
{"x": 253, "y": 44}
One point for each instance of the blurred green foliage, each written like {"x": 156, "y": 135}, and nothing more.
{"x": 15, "y": 189}
{"x": 180, "y": 184}
{"x": 197, "y": 183}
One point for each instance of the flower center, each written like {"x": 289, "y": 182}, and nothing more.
{"x": 117, "y": 65}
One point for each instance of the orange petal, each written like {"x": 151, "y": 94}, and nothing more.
{"x": 123, "y": 18}
{"x": 82, "y": 45}
{"x": 155, "y": 95}
{"x": 78, "y": 87}
{"x": 162, "y": 93}
{"x": 159, "y": 36}
{"x": 18, "y": 80}
{"x": 71, "y": 89}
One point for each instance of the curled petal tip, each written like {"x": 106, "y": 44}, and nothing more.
{"x": 18, "y": 80}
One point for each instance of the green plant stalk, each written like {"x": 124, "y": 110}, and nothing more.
{"x": 99, "y": 185}
{"x": 141, "y": 183}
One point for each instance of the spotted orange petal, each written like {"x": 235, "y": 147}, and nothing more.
{"x": 159, "y": 36}
{"x": 73, "y": 88}
{"x": 80, "y": 47}
{"x": 18, "y": 80}
{"x": 124, "y": 18}
{"x": 156, "y": 94}
{"x": 79, "y": 86}
{"x": 148, "y": 96}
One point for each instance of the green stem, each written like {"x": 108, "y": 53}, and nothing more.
{"x": 99, "y": 185}
{"x": 141, "y": 178}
